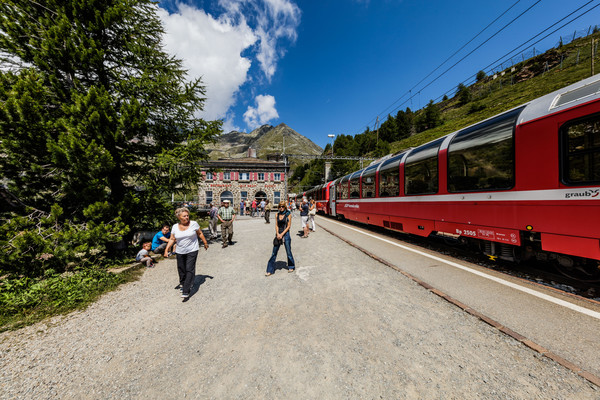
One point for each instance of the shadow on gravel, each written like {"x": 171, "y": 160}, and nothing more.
{"x": 281, "y": 265}
{"x": 198, "y": 281}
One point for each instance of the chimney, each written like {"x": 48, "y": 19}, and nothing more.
{"x": 251, "y": 152}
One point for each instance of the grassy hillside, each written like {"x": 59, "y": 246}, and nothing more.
{"x": 521, "y": 83}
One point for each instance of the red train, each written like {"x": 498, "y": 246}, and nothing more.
{"x": 523, "y": 184}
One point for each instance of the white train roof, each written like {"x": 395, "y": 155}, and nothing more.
{"x": 567, "y": 97}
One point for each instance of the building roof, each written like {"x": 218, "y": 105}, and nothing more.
{"x": 246, "y": 162}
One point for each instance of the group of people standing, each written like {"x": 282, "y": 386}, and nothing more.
{"x": 188, "y": 233}
{"x": 258, "y": 208}
{"x": 226, "y": 215}
{"x": 185, "y": 236}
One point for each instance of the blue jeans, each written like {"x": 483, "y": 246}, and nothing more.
{"x": 287, "y": 242}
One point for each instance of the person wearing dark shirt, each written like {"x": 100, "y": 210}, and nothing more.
{"x": 282, "y": 236}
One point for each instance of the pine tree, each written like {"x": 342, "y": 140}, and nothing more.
{"x": 92, "y": 107}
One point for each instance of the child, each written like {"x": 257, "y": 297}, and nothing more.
{"x": 142, "y": 255}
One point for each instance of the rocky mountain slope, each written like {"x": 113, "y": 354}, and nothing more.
{"x": 265, "y": 140}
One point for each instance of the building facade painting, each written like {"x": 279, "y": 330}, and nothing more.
{"x": 242, "y": 178}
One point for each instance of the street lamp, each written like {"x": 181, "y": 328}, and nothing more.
{"x": 331, "y": 136}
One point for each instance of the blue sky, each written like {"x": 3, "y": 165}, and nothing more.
{"x": 332, "y": 66}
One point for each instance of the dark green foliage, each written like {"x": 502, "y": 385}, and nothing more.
{"x": 27, "y": 300}
{"x": 481, "y": 75}
{"x": 100, "y": 108}
{"x": 97, "y": 127}
{"x": 476, "y": 107}
{"x": 38, "y": 244}
{"x": 405, "y": 123}
{"x": 463, "y": 93}
{"x": 429, "y": 118}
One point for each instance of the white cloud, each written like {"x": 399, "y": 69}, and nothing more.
{"x": 273, "y": 20}
{"x": 264, "y": 112}
{"x": 211, "y": 47}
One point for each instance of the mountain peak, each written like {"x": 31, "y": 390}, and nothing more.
{"x": 265, "y": 139}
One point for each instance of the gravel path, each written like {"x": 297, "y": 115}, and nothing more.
{"x": 342, "y": 326}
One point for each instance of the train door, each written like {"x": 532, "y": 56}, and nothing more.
{"x": 332, "y": 198}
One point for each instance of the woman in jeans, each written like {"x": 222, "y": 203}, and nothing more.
{"x": 186, "y": 233}
{"x": 282, "y": 235}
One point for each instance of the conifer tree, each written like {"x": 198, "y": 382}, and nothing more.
{"x": 92, "y": 107}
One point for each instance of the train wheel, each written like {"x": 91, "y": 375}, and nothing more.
{"x": 581, "y": 270}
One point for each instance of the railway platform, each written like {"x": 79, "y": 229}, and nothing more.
{"x": 555, "y": 323}
{"x": 343, "y": 325}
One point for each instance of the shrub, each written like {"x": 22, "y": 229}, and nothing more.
{"x": 37, "y": 244}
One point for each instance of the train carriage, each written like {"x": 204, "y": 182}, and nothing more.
{"x": 522, "y": 184}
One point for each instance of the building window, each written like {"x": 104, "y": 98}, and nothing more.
{"x": 261, "y": 176}
{"x": 244, "y": 195}
{"x": 244, "y": 176}
{"x": 209, "y": 176}
{"x": 226, "y": 176}
{"x": 209, "y": 196}
{"x": 277, "y": 177}
{"x": 276, "y": 197}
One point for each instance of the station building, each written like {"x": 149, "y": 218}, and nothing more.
{"x": 246, "y": 178}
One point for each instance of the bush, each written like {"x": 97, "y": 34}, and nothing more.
{"x": 39, "y": 244}
{"x": 476, "y": 107}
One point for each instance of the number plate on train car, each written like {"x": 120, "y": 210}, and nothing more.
{"x": 510, "y": 236}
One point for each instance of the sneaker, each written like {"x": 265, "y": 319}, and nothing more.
{"x": 185, "y": 295}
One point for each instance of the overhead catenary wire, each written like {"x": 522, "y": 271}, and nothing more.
{"x": 463, "y": 58}
{"x": 520, "y": 48}
{"x": 409, "y": 92}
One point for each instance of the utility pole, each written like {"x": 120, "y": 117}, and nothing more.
{"x": 377, "y": 127}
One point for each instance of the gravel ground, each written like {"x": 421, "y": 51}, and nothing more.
{"x": 341, "y": 327}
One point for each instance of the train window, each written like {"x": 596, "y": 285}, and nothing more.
{"x": 355, "y": 185}
{"x": 421, "y": 169}
{"x": 581, "y": 151}
{"x": 389, "y": 177}
{"x": 483, "y": 157}
{"x": 354, "y": 188}
{"x": 368, "y": 181}
{"x": 343, "y": 188}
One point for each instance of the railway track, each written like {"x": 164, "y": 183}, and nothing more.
{"x": 542, "y": 273}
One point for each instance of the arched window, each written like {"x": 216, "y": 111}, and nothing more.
{"x": 260, "y": 195}
{"x": 227, "y": 195}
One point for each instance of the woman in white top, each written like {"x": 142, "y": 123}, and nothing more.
{"x": 186, "y": 233}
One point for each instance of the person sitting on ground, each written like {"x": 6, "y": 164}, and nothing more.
{"x": 160, "y": 240}
{"x": 143, "y": 256}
